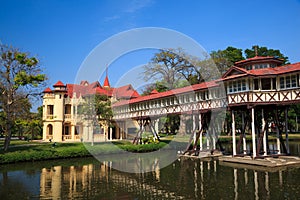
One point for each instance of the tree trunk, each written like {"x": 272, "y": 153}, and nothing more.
{"x": 8, "y": 123}
{"x": 7, "y": 135}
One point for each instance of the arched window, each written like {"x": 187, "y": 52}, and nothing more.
{"x": 49, "y": 129}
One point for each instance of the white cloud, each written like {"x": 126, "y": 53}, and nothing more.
{"x": 136, "y": 5}
{"x": 111, "y": 18}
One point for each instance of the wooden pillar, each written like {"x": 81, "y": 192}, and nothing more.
{"x": 213, "y": 136}
{"x": 244, "y": 136}
{"x": 278, "y": 140}
{"x": 286, "y": 131}
{"x": 253, "y": 132}
{"x": 263, "y": 124}
{"x": 200, "y": 128}
{"x": 194, "y": 129}
{"x": 233, "y": 134}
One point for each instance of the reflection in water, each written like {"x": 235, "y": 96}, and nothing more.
{"x": 183, "y": 179}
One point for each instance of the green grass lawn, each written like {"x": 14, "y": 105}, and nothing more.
{"x": 33, "y": 151}
{"x": 20, "y": 151}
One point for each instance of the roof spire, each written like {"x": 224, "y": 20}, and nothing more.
{"x": 106, "y": 81}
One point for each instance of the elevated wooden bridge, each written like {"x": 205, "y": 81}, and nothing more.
{"x": 258, "y": 90}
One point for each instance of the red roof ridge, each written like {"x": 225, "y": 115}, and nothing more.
{"x": 47, "y": 90}
{"x": 154, "y": 91}
{"x": 58, "y": 84}
{"x": 168, "y": 93}
{"x": 258, "y": 58}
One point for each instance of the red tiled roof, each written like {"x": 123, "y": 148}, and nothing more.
{"x": 95, "y": 88}
{"x": 276, "y": 71}
{"x": 259, "y": 59}
{"x": 234, "y": 69}
{"x": 106, "y": 82}
{"x": 82, "y": 90}
{"x": 154, "y": 92}
{"x": 200, "y": 86}
{"x": 126, "y": 91}
{"x": 47, "y": 90}
{"x": 58, "y": 84}
{"x": 290, "y": 68}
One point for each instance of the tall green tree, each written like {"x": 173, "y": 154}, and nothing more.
{"x": 264, "y": 51}
{"x": 97, "y": 110}
{"x": 226, "y": 58}
{"x": 20, "y": 77}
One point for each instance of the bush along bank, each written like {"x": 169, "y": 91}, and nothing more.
{"x": 50, "y": 151}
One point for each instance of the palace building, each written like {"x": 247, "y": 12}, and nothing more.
{"x": 258, "y": 90}
{"x": 62, "y": 120}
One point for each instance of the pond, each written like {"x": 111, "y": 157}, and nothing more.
{"x": 87, "y": 178}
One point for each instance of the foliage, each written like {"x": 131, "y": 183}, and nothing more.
{"x": 224, "y": 59}
{"x": 264, "y": 51}
{"x": 97, "y": 109}
{"x": 20, "y": 76}
{"x": 171, "y": 66}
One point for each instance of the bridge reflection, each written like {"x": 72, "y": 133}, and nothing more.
{"x": 184, "y": 179}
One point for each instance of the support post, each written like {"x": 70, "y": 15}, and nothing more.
{"x": 244, "y": 134}
{"x": 110, "y": 132}
{"x": 253, "y": 132}
{"x": 194, "y": 129}
{"x": 286, "y": 131}
{"x": 233, "y": 134}
{"x": 263, "y": 124}
{"x": 200, "y": 128}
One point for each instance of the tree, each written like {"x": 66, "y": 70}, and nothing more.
{"x": 96, "y": 110}
{"x": 176, "y": 68}
{"x": 224, "y": 59}
{"x": 20, "y": 77}
{"x": 264, "y": 51}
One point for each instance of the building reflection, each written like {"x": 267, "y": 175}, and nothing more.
{"x": 59, "y": 182}
{"x": 184, "y": 179}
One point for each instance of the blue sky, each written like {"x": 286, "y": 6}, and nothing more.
{"x": 63, "y": 33}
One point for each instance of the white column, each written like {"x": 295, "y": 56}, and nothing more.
{"x": 194, "y": 129}
{"x": 253, "y": 133}
{"x": 244, "y": 136}
{"x": 110, "y": 133}
{"x": 263, "y": 122}
{"x": 73, "y": 132}
{"x": 233, "y": 134}
{"x": 278, "y": 140}
{"x": 121, "y": 131}
{"x": 200, "y": 127}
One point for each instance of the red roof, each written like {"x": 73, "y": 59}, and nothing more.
{"x": 84, "y": 88}
{"x": 106, "y": 82}
{"x": 258, "y": 59}
{"x": 290, "y": 68}
{"x": 191, "y": 88}
{"x": 154, "y": 92}
{"x": 47, "y": 90}
{"x": 59, "y": 84}
{"x": 277, "y": 70}
{"x": 126, "y": 91}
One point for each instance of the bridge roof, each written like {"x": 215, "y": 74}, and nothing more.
{"x": 236, "y": 72}
{"x": 174, "y": 92}
{"x": 259, "y": 59}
